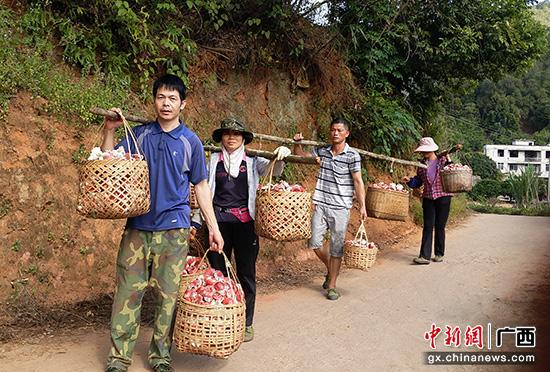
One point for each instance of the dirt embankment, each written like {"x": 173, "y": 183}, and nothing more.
{"x": 52, "y": 255}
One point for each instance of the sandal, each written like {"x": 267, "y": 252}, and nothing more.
{"x": 332, "y": 294}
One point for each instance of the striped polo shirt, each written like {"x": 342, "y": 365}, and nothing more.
{"x": 335, "y": 186}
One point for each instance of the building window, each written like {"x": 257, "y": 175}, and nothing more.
{"x": 500, "y": 166}
{"x": 513, "y": 153}
{"x": 532, "y": 155}
{"x": 501, "y": 153}
{"x": 513, "y": 167}
{"x": 547, "y": 154}
{"x": 547, "y": 167}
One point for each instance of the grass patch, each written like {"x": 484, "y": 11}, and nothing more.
{"x": 5, "y": 205}
{"x": 543, "y": 210}
{"x": 459, "y": 209}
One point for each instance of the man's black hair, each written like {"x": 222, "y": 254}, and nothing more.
{"x": 340, "y": 120}
{"x": 170, "y": 82}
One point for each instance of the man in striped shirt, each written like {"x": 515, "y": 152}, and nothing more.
{"x": 339, "y": 176}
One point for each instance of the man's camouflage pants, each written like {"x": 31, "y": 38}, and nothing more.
{"x": 146, "y": 258}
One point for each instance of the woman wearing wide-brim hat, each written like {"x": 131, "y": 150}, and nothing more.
{"x": 436, "y": 203}
{"x": 234, "y": 178}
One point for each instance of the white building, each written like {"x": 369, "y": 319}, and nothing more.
{"x": 515, "y": 157}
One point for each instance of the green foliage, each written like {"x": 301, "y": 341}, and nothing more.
{"x": 119, "y": 37}
{"x": 504, "y": 110}
{"x": 486, "y": 189}
{"x": 415, "y": 207}
{"x": 32, "y": 68}
{"x": 541, "y": 210}
{"x": 463, "y": 129}
{"x": 407, "y": 56}
{"x": 32, "y": 269}
{"x": 542, "y": 137}
{"x": 147, "y": 37}
{"x": 5, "y": 205}
{"x": 292, "y": 173}
{"x": 459, "y": 209}
{"x": 79, "y": 154}
{"x": 40, "y": 253}
{"x": 422, "y": 50}
{"x": 481, "y": 165}
{"x": 524, "y": 187}
{"x": 384, "y": 126}
{"x": 16, "y": 246}
{"x": 542, "y": 12}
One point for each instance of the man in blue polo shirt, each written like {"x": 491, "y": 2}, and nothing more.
{"x": 154, "y": 246}
{"x": 339, "y": 177}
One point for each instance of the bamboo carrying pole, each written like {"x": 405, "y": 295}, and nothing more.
{"x": 288, "y": 141}
{"x": 269, "y": 155}
{"x": 369, "y": 154}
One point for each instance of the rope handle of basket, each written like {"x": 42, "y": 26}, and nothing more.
{"x": 128, "y": 133}
{"x": 269, "y": 176}
{"x": 128, "y": 130}
{"x": 200, "y": 250}
{"x": 361, "y": 233}
{"x": 455, "y": 149}
{"x": 230, "y": 270}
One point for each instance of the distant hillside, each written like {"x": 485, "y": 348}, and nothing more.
{"x": 542, "y": 13}
{"x": 516, "y": 106}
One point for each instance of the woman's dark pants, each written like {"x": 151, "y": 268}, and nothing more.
{"x": 436, "y": 213}
{"x": 240, "y": 238}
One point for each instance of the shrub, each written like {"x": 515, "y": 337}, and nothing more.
{"x": 459, "y": 209}
{"x": 486, "y": 189}
{"x": 541, "y": 210}
{"x": 524, "y": 187}
{"x": 32, "y": 68}
{"x": 415, "y": 208}
{"x": 384, "y": 126}
{"x": 481, "y": 165}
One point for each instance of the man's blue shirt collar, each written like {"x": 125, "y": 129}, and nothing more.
{"x": 175, "y": 133}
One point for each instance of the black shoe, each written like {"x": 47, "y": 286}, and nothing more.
{"x": 163, "y": 367}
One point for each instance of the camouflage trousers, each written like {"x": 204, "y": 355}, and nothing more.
{"x": 144, "y": 259}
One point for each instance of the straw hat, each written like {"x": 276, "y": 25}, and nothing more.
{"x": 427, "y": 144}
{"x": 232, "y": 124}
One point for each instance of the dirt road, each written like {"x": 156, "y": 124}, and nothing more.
{"x": 496, "y": 271}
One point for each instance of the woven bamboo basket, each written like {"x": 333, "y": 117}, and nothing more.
{"x": 188, "y": 278}
{"x": 118, "y": 188}
{"x": 193, "y": 197}
{"x": 456, "y": 180}
{"x": 283, "y": 215}
{"x": 216, "y": 331}
{"x": 387, "y": 204}
{"x": 359, "y": 256}
{"x": 184, "y": 282}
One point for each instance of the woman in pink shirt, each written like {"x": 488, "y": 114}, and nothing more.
{"x": 436, "y": 203}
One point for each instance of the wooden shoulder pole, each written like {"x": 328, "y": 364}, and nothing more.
{"x": 269, "y": 155}
{"x": 288, "y": 141}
